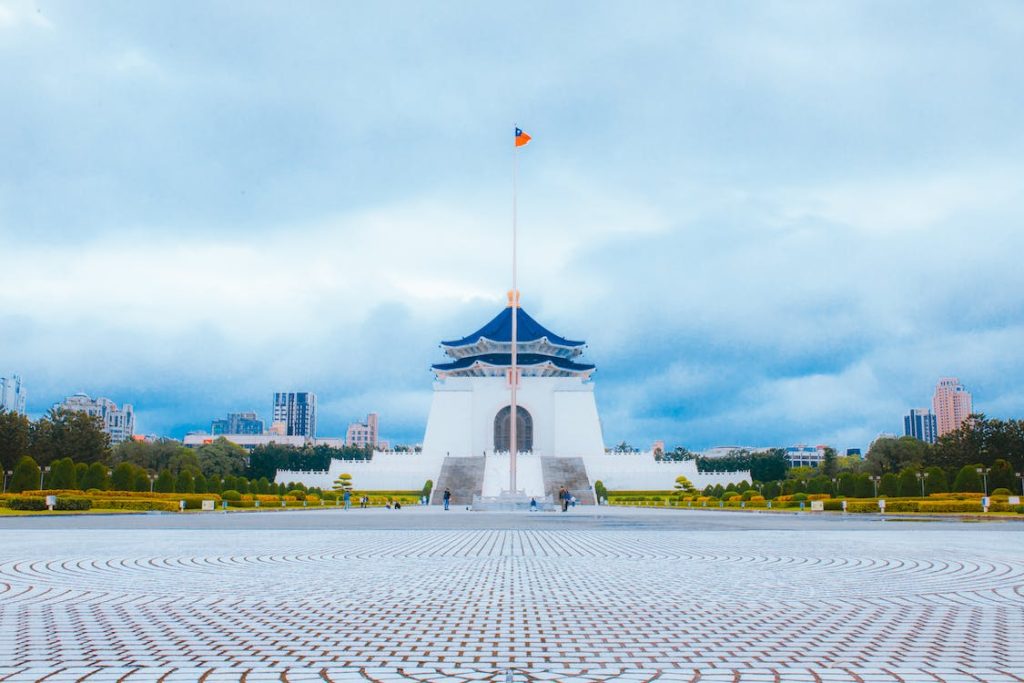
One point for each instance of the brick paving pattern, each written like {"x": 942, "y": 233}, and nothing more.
{"x": 523, "y": 605}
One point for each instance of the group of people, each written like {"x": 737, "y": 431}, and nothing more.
{"x": 364, "y": 501}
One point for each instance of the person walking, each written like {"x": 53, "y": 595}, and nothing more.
{"x": 563, "y": 498}
{"x": 447, "y": 498}
{"x": 364, "y": 500}
{"x": 348, "y": 499}
{"x": 533, "y": 504}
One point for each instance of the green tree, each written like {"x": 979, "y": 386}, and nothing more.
{"x": 200, "y": 483}
{"x": 683, "y": 485}
{"x": 889, "y": 486}
{"x": 343, "y": 482}
{"x": 14, "y": 438}
{"x": 96, "y": 477}
{"x": 26, "y": 475}
{"x": 830, "y": 465}
{"x": 819, "y": 485}
{"x": 863, "y": 487}
{"x": 935, "y": 480}
{"x": 184, "y": 483}
{"x": 164, "y": 482}
{"x": 62, "y": 475}
{"x": 140, "y": 480}
{"x": 771, "y": 490}
{"x": 428, "y": 488}
{"x": 892, "y": 455}
{"x": 123, "y": 477}
{"x": 262, "y": 486}
{"x": 968, "y": 480}
{"x": 221, "y": 458}
{"x": 1001, "y": 476}
{"x": 69, "y": 434}
{"x": 910, "y": 485}
{"x": 153, "y": 456}
{"x": 81, "y": 469}
{"x": 847, "y": 485}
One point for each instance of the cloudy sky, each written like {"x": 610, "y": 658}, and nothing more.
{"x": 772, "y": 222}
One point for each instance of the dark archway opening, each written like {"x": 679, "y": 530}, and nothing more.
{"x": 524, "y": 429}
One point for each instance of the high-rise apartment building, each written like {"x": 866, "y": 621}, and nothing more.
{"x": 12, "y": 395}
{"x": 952, "y": 405}
{"x": 237, "y": 423}
{"x": 297, "y": 410}
{"x": 363, "y": 434}
{"x": 920, "y": 423}
{"x": 119, "y": 423}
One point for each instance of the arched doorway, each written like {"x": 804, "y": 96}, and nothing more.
{"x": 524, "y": 429}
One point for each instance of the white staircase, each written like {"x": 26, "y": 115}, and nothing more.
{"x": 529, "y": 474}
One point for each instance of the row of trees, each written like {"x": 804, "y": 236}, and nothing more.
{"x": 58, "y": 434}
{"x": 127, "y": 476}
{"x": 264, "y": 461}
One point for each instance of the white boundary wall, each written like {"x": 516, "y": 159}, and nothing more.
{"x": 409, "y": 471}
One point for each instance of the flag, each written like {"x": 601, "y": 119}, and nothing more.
{"x": 521, "y": 137}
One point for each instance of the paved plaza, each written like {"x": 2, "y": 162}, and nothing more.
{"x": 418, "y": 595}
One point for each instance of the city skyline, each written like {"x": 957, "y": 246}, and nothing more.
{"x": 771, "y": 225}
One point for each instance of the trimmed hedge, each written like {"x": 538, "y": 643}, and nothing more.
{"x": 69, "y": 503}
{"x": 949, "y": 506}
{"x": 27, "y": 503}
{"x": 137, "y": 504}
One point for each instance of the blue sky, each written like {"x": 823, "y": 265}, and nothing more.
{"x": 773, "y": 222}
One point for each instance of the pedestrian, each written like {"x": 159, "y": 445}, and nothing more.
{"x": 533, "y": 504}
{"x": 447, "y": 498}
{"x": 572, "y": 500}
{"x": 563, "y": 498}
{"x": 397, "y": 505}
{"x": 364, "y": 500}
{"x": 348, "y": 499}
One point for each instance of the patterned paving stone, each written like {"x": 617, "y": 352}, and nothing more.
{"x": 512, "y": 605}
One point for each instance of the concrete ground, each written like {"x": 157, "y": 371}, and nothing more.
{"x": 590, "y": 595}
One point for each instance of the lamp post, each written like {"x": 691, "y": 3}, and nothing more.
{"x": 7, "y": 473}
{"x": 874, "y": 480}
{"x": 920, "y": 478}
{"x": 983, "y": 471}
{"x": 43, "y": 471}
{"x": 835, "y": 486}
{"x": 1020, "y": 475}
{"x": 152, "y": 478}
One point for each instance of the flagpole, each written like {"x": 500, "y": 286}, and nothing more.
{"x": 514, "y": 302}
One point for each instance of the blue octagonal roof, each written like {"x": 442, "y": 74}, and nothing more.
{"x": 499, "y": 329}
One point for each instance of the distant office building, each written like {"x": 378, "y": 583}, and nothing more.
{"x": 237, "y": 423}
{"x": 12, "y": 395}
{"x": 854, "y": 453}
{"x": 363, "y": 434}
{"x": 805, "y": 456}
{"x": 920, "y": 423}
{"x": 952, "y": 405}
{"x": 118, "y": 423}
{"x": 658, "y": 446}
{"x": 297, "y": 410}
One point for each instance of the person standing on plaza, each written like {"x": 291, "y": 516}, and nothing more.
{"x": 563, "y": 498}
{"x": 447, "y": 498}
{"x": 347, "y": 496}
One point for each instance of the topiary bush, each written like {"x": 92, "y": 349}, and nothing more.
{"x": 231, "y": 495}
{"x": 1002, "y": 492}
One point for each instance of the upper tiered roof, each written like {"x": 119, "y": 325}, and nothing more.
{"x": 488, "y": 351}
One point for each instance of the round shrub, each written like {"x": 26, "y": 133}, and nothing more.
{"x": 231, "y": 495}
{"x": 297, "y": 494}
{"x": 799, "y": 497}
{"x": 1002, "y": 492}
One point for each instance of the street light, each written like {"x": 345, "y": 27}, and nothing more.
{"x": 874, "y": 480}
{"x": 152, "y": 478}
{"x": 7, "y": 473}
{"x": 983, "y": 471}
{"x": 1021, "y": 476}
{"x": 920, "y": 478}
{"x": 43, "y": 471}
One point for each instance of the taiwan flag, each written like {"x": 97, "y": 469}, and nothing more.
{"x": 521, "y": 137}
